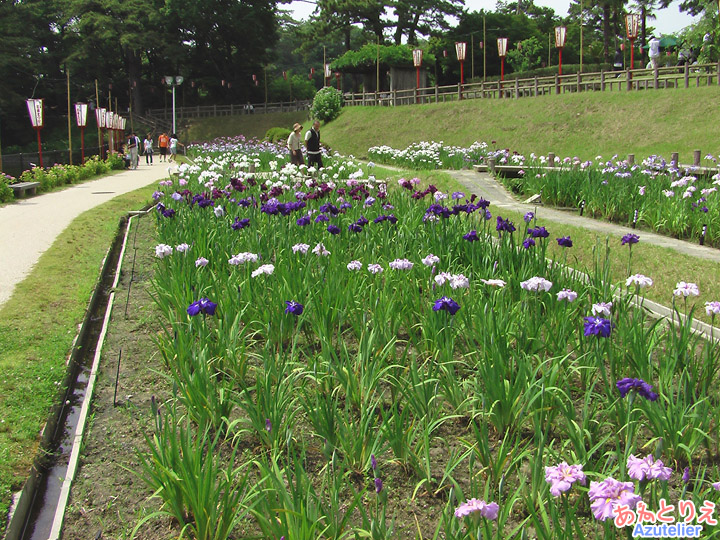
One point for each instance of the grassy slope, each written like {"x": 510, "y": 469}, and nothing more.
{"x": 250, "y": 125}
{"x": 584, "y": 125}
{"x": 37, "y": 326}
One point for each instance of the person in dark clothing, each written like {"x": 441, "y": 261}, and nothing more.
{"x": 618, "y": 60}
{"x": 312, "y": 143}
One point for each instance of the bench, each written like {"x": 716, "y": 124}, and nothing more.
{"x": 22, "y": 188}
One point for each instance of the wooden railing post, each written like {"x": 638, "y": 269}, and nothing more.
{"x": 696, "y": 158}
{"x": 655, "y": 77}
{"x": 631, "y": 159}
{"x": 517, "y": 88}
{"x": 557, "y": 83}
{"x": 577, "y": 84}
{"x": 602, "y": 80}
{"x": 629, "y": 80}
{"x": 394, "y": 97}
{"x": 436, "y": 92}
{"x": 687, "y": 76}
{"x": 459, "y": 91}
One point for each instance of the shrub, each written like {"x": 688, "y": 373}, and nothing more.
{"x": 115, "y": 161}
{"x": 277, "y": 134}
{"x": 6, "y": 194}
{"x": 327, "y": 103}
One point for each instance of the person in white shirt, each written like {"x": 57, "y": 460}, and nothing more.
{"x": 295, "y": 146}
{"x": 148, "y": 149}
{"x": 655, "y": 52}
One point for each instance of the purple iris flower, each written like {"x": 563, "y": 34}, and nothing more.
{"x": 373, "y": 462}
{"x": 168, "y": 213}
{"x": 333, "y": 229}
{"x": 597, "y": 326}
{"x": 321, "y": 217}
{"x": 293, "y": 307}
{"x": 354, "y": 227}
{"x": 305, "y": 220}
{"x": 527, "y": 218}
{"x": 504, "y": 225}
{"x": 528, "y": 243}
{"x": 565, "y": 241}
{"x": 630, "y": 239}
{"x": 446, "y": 304}
{"x": 203, "y": 306}
{"x": 638, "y": 385}
{"x": 362, "y": 221}
{"x": 268, "y": 425}
{"x": 239, "y": 224}
{"x": 538, "y": 232}
{"x": 472, "y": 236}
{"x": 378, "y": 485}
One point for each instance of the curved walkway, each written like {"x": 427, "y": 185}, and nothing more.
{"x": 487, "y": 187}
{"x": 29, "y": 227}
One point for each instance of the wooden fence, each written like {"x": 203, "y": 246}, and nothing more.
{"x": 205, "y": 111}
{"x": 628, "y": 80}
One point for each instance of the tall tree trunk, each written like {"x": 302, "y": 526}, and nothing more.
{"x": 606, "y": 30}
{"x": 134, "y": 68}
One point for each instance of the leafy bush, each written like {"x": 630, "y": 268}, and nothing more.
{"x": 6, "y": 194}
{"x": 277, "y": 134}
{"x": 327, "y": 103}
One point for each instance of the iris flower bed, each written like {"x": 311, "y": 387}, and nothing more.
{"x": 345, "y": 353}
{"x": 431, "y": 155}
{"x": 678, "y": 203}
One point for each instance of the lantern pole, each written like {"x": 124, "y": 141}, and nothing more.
{"x": 560, "y": 32}
{"x": 35, "y": 109}
{"x": 417, "y": 62}
{"x": 502, "y": 51}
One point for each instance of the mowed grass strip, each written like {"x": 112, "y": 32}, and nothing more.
{"x": 37, "y": 327}
{"x": 250, "y": 125}
{"x": 665, "y": 266}
{"x": 583, "y": 124}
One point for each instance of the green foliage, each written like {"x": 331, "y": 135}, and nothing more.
{"x": 526, "y": 56}
{"x": 277, "y": 134}
{"x": 327, "y": 104}
{"x": 6, "y": 194}
{"x": 60, "y": 175}
{"x": 365, "y": 58}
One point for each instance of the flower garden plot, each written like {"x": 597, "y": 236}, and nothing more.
{"x": 431, "y": 155}
{"x": 670, "y": 201}
{"x": 341, "y": 353}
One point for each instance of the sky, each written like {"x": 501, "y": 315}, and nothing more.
{"x": 668, "y": 20}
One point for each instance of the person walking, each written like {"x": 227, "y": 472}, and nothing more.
{"x": 618, "y": 60}
{"x": 132, "y": 147}
{"x": 312, "y": 143}
{"x": 655, "y": 52}
{"x": 294, "y": 145}
{"x": 148, "y": 149}
{"x": 163, "y": 141}
{"x": 173, "y": 144}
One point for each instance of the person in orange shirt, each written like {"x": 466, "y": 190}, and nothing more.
{"x": 163, "y": 141}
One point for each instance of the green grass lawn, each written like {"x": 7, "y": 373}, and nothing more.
{"x": 250, "y": 125}
{"x": 37, "y": 327}
{"x": 585, "y": 124}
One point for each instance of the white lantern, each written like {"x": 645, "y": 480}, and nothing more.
{"x": 460, "y": 50}
{"x": 100, "y": 116}
{"x": 502, "y": 46}
{"x": 632, "y": 23}
{"x": 560, "y": 32}
{"x": 417, "y": 57}
{"x": 35, "y": 109}
{"x": 81, "y": 114}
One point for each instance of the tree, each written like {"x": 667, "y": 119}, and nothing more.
{"x": 422, "y": 16}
